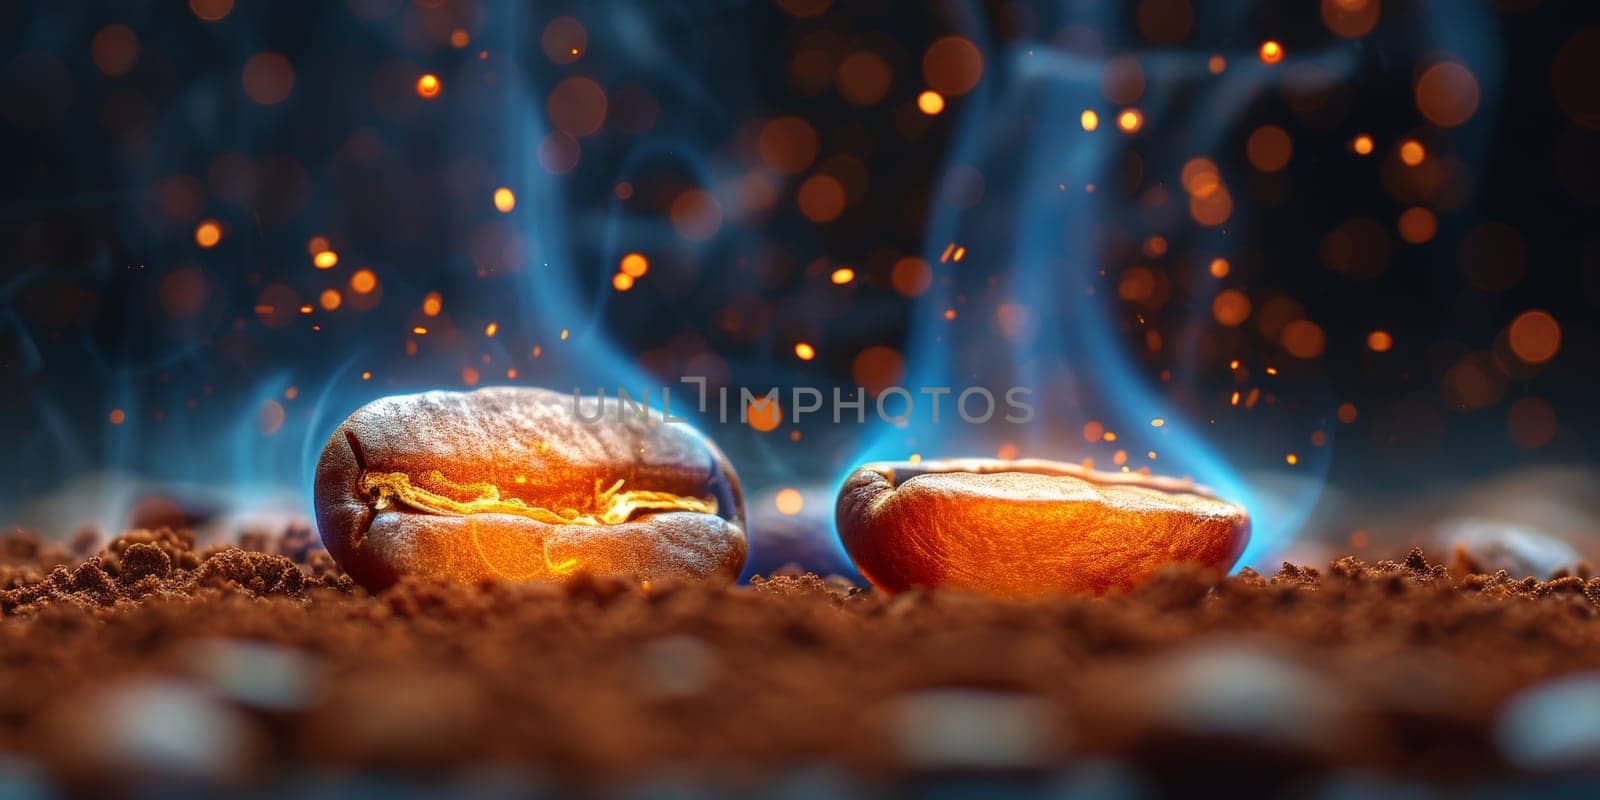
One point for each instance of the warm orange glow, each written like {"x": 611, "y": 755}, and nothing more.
{"x": 504, "y": 200}
{"x": 208, "y": 233}
{"x": 1271, "y": 52}
{"x": 1351, "y": 19}
{"x": 1303, "y": 339}
{"x": 1418, "y": 225}
{"x": 118, "y": 416}
{"x": 115, "y": 50}
{"x": 634, "y": 265}
{"x": 1219, "y": 268}
{"x": 789, "y": 502}
{"x": 1092, "y": 431}
{"x": 432, "y": 304}
{"x": 622, "y": 281}
{"x": 1362, "y": 145}
{"x": 1268, "y": 148}
{"x": 1380, "y": 341}
{"x": 1447, "y": 94}
{"x": 1216, "y": 64}
{"x": 843, "y": 275}
{"x": 763, "y": 414}
{"x": 911, "y": 276}
{"x": 821, "y": 198}
{"x": 1291, "y": 459}
{"x": 930, "y": 102}
{"x": 1028, "y": 527}
{"x": 428, "y": 86}
{"x": 316, "y": 244}
{"x": 325, "y": 259}
{"x": 459, "y": 38}
{"x": 1230, "y": 308}
{"x": 696, "y": 215}
{"x": 211, "y": 10}
{"x": 1412, "y": 152}
{"x": 1157, "y": 422}
{"x": 330, "y": 299}
{"x": 1347, "y": 413}
{"x": 787, "y": 145}
{"x": 1089, "y": 119}
{"x": 952, "y": 66}
{"x": 268, "y": 78}
{"x": 1535, "y": 337}
{"x": 1130, "y": 121}
{"x": 363, "y": 281}
{"x": 1199, "y": 177}
{"x": 419, "y": 330}
{"x": 804, "y": 351}
{"x": 491, "y": 329}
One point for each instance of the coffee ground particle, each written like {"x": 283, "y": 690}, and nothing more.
{"x": 1392, "y": 668}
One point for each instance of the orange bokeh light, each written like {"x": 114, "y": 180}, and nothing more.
{"x": 1535, "y": 336}
{"x": 634, "y": 265}
{"x": 208, "y": 233}
{"x": 428, "y": 86}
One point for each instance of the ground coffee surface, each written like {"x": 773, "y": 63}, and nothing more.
{"x": 150, "y": 662}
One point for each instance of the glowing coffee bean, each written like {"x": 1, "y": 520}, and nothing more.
{"x": 510, "y": 483}
{"x": 1028, "y": 527}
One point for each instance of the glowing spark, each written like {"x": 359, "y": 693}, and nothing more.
{"x": 330, "y": 299}
{"x": 622, "y": 281}
{"x": 1234, "y": 400}
{"x": 843, "y": 275}
{"x": 491, "y": 329}
{"x": 1272, "y": 370}
{"x": 948, "y": 249}
{"x": 459, "y": 38}
{"x": 1362, "y": 145}
{"x": 428, "y": 86}
{"x": 504, "y": 200}
{"x": 635, "y": 265}
{"x": 930, "y": 102}
{"x": 1089, "y": 119}
{"x": 1412, "y": 152}
{"x": 960, "y": 253}
{"x": 363, "y": 281}
{"x": 1380, "y": 341}
{"x": 1130, "y": 121}
{"x": 804, "y": 351}
{"x": 366, "y": 376}
{"x": 789, "y": 502}
{"x": 1216, "y": 64}
{"x": 118, "y": 416}
{"x": 1157, "y": 422}
{"x": 563, "y": 334}
{"x": 1292, "y": 459}
{"x": 419, "y": 330}
{"x": 432, "y": 304}
{"x": 305, "y": 309}
{"x": 1271, "y": 52}
{"x": 1219, "y": 267}
{"x": 325, "y": 259}
{"x": 208, "y": 234}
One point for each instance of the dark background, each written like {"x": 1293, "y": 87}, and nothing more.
{"x": 127, "y": 349}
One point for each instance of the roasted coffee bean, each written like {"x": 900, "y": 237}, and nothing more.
{"x": 1028, "y": 527}
{"x": 511, "y": 483}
